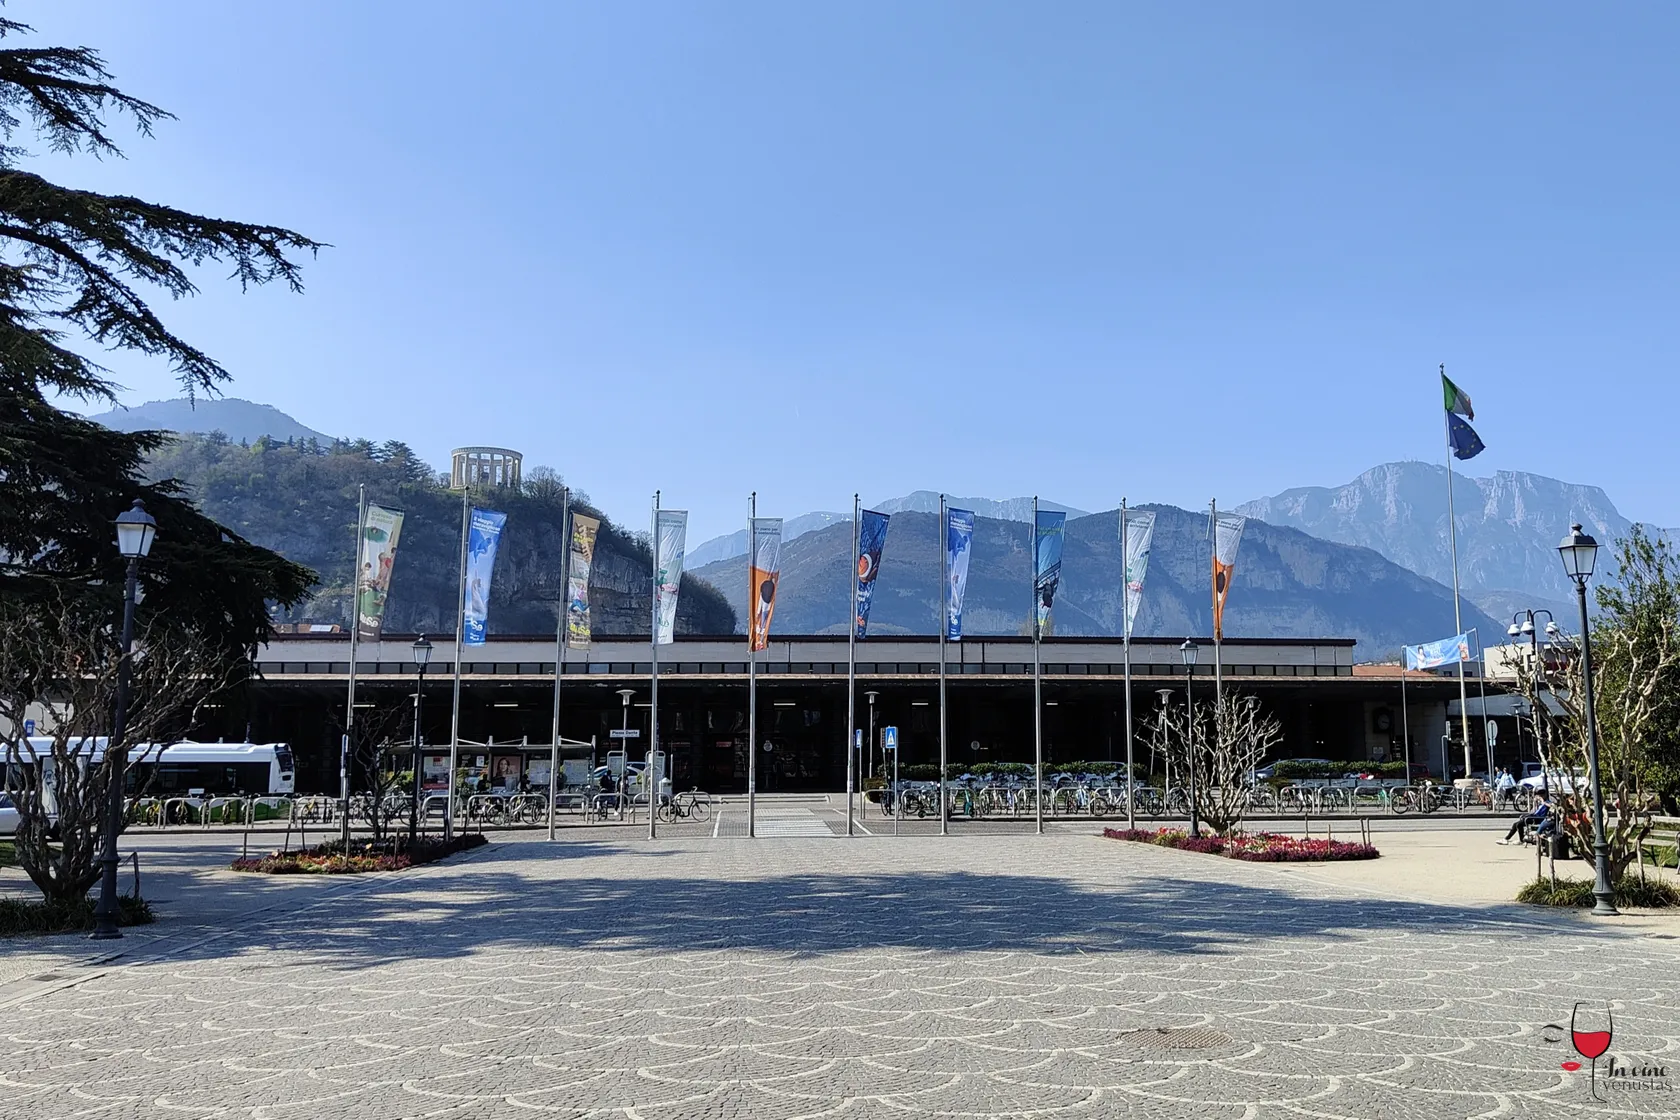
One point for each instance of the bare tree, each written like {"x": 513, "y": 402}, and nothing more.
{"x": 386, "y": 756}
{"x": 1636, "y": 675}
{"x": 64, "y": 663}
{"x": 1226, "y": 741}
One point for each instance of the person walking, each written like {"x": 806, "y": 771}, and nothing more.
{"x": 1504, "y": 787}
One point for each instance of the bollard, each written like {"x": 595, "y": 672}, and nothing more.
{"x": 136, "y": 857}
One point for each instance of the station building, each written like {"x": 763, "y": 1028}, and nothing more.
{"x": 1328, "y": 706}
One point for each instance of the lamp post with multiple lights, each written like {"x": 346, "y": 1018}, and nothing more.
{"x": 422, "y": 658}
{"x": 1580, "y": 552}
{"x": 1523, "y": 626}
{"x": 1188, "y": 651}
{"x": 136, "y": 530}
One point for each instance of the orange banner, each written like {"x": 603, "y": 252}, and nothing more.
{"x": 764, "y": 573}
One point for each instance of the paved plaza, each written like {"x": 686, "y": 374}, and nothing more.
{"x": 802, "y": 975}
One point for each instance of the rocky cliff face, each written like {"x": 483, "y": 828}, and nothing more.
{"x": 1287, "y": 584}
{"x": 1508, "y": 526}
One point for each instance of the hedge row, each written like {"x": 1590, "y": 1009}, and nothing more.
{"x": 1339, "y": 769}
{"x": 23, "y": 916}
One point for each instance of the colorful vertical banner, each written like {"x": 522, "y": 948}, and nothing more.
{"x": 671, "y": 528}
{"x": 1432, "y": 655}
{"x": 1138, "y": 529}
{"x": 1227, "y": 535}
{"x": 764, "y": 572}
{"x": 584, "y": 532}
{"x": 1049, "y": 532}
{"x": 484, "y": 533}
{"x": 959, "y": 541}
{"x": 376, "y": 549}
{"x": 872, "y": 538}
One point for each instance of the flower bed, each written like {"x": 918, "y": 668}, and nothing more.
{"x": 330, "y": 859}
{"x": 1255, "y": 847}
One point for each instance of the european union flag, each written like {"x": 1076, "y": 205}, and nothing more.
{"x": 1466, "y": 444}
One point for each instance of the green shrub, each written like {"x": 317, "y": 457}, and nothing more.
{"x": 25, "y": 916}
{"x": 1629, "y": 891}
{"x": 1659, "y": 855}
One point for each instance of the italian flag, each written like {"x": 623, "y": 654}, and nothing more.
{"x": 1457, "y": 399}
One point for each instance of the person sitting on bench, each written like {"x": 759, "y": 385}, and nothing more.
{"x": 1539, "y": 818}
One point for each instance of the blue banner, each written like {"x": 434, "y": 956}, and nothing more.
{"x": 872, "y": 538}
{"x": 483, "y": 535}
{"x": 1432, "y": 655}
{"x": 1049, "y": 530}
{"x": 959, "y": 538}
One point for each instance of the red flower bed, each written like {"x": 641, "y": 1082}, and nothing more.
{"x": 327, "y": 859}
{"x": 1256, "y": 847}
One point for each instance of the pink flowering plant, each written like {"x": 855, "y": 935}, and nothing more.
{"x": 1256, "y": 847}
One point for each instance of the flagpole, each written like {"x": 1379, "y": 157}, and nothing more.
{"x": 1218, "y": 628}
{"x": 752, "y": 672}
{"x": 350, "y": 704}
{"x": 851, "y": 668}
{"x": 560, "y": 645}
{"x": 1458, "y": 620}
{"x": 652, "y": 779}
{"x": 1405, "y": 717}
{"x": 944, "y": 626}
{"x": 1126, "y": 657}
{"x": 1038, "y": 696}
{"x": 460, "y": 639}
{"x": 1481, "y": 689}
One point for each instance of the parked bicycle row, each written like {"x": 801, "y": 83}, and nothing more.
{"x": 486, "y": 809}
{"x": 1099, "y": 798}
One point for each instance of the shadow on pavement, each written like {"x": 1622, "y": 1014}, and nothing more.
{"x": 499, "y": 898}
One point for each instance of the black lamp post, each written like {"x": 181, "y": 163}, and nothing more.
{"x": 1579, "y": 551}
{"x": 1522, "y": 626}
{"x": 1188, "y": 651}
{"x": 872, "y": 695}
{"x": 135, "y": 531}
{"x": 422, "y": 658}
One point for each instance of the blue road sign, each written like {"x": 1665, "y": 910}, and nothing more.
{"x": 28, "y": 728}
{"x": 889, "y": 738}
{"x": 857, "y": 738}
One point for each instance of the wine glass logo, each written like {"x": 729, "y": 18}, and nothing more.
{"x": 1591, "y": 1033}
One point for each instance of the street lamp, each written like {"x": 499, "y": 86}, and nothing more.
{"x": 1526, "y": 629}
{"x": 422, "y": 658}
{"x": 1579, "y": 551}
{"x": 135, "y": 531}
{"x": 1188, "y": 651}
{"x": 1164, "y": 695}
{"x": 872, "y": 694}
{"x": 625, "y": 694}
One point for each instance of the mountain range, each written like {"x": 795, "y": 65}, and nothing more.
{"x": 918, "y": 501}
{"x": 1508, "y": 526}
{"x": 1288, "y": 584}
{"x": 240, "y": 420}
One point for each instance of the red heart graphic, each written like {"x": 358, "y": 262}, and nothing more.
{"x": 1571, "y": 1066}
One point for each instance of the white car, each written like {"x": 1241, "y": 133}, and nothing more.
{"x": 8, "y": 816}
{"x": 1558, "y": 781}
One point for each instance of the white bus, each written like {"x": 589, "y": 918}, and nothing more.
{"x": 257, "y": 769}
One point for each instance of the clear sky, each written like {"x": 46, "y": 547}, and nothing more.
{"x": 1166, "y": 251}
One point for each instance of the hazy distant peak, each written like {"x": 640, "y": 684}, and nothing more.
{"x": 237, "y": 419}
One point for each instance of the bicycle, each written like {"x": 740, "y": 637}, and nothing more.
{"x": 693, "y": 805}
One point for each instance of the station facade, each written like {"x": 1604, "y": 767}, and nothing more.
{"x": 1328, "y": 706}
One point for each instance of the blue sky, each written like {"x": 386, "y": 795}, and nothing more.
{"x": 1085, "y": 250}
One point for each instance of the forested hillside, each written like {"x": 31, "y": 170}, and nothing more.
{"x": 299, "y": 498}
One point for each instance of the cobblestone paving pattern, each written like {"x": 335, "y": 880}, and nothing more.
{"x": 1063, "y": 976}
